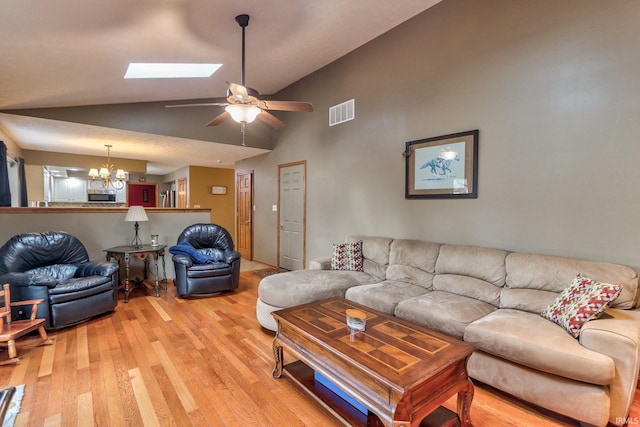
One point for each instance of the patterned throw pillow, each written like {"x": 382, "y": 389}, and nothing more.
{"x": 347, "y": 256}
{"x": 585, "y": 299}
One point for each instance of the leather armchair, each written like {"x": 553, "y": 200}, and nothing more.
{"x": 54, "y": 266}
{"x": 221, "y": 274}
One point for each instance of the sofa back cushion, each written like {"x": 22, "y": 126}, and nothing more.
{"x": 32, "y": 250}
{"x": 413, "y": 261}
{"x": 375, "y": 254}
{"x": 533, "y": 281}
{"x": 471, "y": 271}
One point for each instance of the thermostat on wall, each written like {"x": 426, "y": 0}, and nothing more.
{"x": 218, "y": 190}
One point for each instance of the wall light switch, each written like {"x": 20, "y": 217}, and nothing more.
{"x": 274, "y": 208}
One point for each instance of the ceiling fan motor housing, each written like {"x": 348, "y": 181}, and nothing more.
{"x": 242, "y": 20}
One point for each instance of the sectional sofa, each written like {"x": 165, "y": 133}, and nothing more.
{"x": 492, "y": 299}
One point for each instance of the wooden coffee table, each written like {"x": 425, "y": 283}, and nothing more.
{"x": 400, "y": 371}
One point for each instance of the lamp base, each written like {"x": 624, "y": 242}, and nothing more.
{"x": 136, "y": 242}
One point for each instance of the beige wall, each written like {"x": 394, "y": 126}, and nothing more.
{"x": 222, "y": 207}
{"x": 12, "y": 148}
{"x": 98, "y": 231}
{"x": 553, "y": 87}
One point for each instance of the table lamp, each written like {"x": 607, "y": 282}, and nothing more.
{"x": 136, "y": 213}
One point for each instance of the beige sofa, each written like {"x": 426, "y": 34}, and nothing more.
{"x": 492, "y": 299}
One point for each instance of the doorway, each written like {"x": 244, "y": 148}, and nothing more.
{"x": 244, "y": 225}
{"x": 292, "y": 215}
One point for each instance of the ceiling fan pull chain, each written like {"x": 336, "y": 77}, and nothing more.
{"x": 242, "y": 131}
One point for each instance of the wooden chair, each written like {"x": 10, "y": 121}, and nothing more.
{"x": 11, "y": 330}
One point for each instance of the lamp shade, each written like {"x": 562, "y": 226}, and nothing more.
{"x": 137, "y": 214}
{"x": 242, "y": 113}
{"x": 93, "y": 173}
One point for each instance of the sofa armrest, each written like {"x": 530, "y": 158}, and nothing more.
{"x": 320, "y": 264}
{"x": 617, "y": 335}
{"x": 96, "y": 268}
{"x": 28, "y": 279}
{"x": 231, "y": 256}
{"x": 180, "y": 259}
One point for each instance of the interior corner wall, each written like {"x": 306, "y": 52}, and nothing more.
{"x": 554, "y": 89}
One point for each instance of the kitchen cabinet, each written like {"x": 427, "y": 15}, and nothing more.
{"x": 69, "y": 190}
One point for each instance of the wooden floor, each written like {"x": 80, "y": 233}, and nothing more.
{"x": 206, "y": 362}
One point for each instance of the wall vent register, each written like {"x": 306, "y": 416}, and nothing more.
{"x": 342, "y": 112}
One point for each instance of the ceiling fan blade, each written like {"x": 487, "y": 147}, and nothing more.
{"x": 286, "y": 106}
{"x": 238, "y": 90}
{"x": 218, "y": 119}
{"x": 271, "y": 120}
{"x": 200, "y": 104}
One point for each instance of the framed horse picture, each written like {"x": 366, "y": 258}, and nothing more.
{"x": 443, "y": 166}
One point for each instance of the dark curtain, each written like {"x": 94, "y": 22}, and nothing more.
{"x": 22, "y": 178}
{"x": 5, "y": 190}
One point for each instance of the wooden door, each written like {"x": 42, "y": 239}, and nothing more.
{"x": 291, "y": 215}
{"x": 244, "y": 227}
{"x": 182, "y": 193}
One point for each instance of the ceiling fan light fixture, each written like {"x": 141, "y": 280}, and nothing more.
{"x": 243, "y": 113}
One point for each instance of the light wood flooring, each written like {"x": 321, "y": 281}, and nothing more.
{"x": 203, "y": 362}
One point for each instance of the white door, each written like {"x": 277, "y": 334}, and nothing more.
{"x": 291, "y": 215}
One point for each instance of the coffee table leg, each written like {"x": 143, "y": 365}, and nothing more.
{"x": 464, "y": 405}
{"x": 277, "y": 353}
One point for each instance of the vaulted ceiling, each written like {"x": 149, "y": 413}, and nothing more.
{"x": 62, "y": 68}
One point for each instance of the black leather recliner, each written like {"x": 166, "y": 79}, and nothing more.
{"x": 55, "y": 267}
{"x": 221, "y": 274}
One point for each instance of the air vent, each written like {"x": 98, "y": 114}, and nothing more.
{"x": 342, "y": 112}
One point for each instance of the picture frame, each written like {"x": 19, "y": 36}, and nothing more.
{"x": 442, "y": 167}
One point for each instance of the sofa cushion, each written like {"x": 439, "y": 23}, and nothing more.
{"x": 78, "y": 288}
{"x": 303, "y": 286}
{"x": 347, "y": 256}
{"x": 553, "y": 274}
{"x": 468, "y": 287}
{"x": 384, "y": 296}
{"x": 443, "y": 311}
{"x": 471, "y": 271}
{"x": 413, "y": 261}
{"x": 482, "y": 263}
{"x": 211, "y": 269}
{"x": 375, "y": 253}
{"x": 59, "y": 271}
{"x": 531, "y": 300}
{"x": 585, "y": 299}
{"x": 215, "y": 254}
{"x": 528, "y": 339}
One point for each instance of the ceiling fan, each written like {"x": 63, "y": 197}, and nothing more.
{"x": 244, "y": 104}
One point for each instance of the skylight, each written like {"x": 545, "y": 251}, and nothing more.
{"x": 140, "y": 70}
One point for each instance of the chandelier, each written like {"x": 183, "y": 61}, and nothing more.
{"x": 105, "y": 174}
